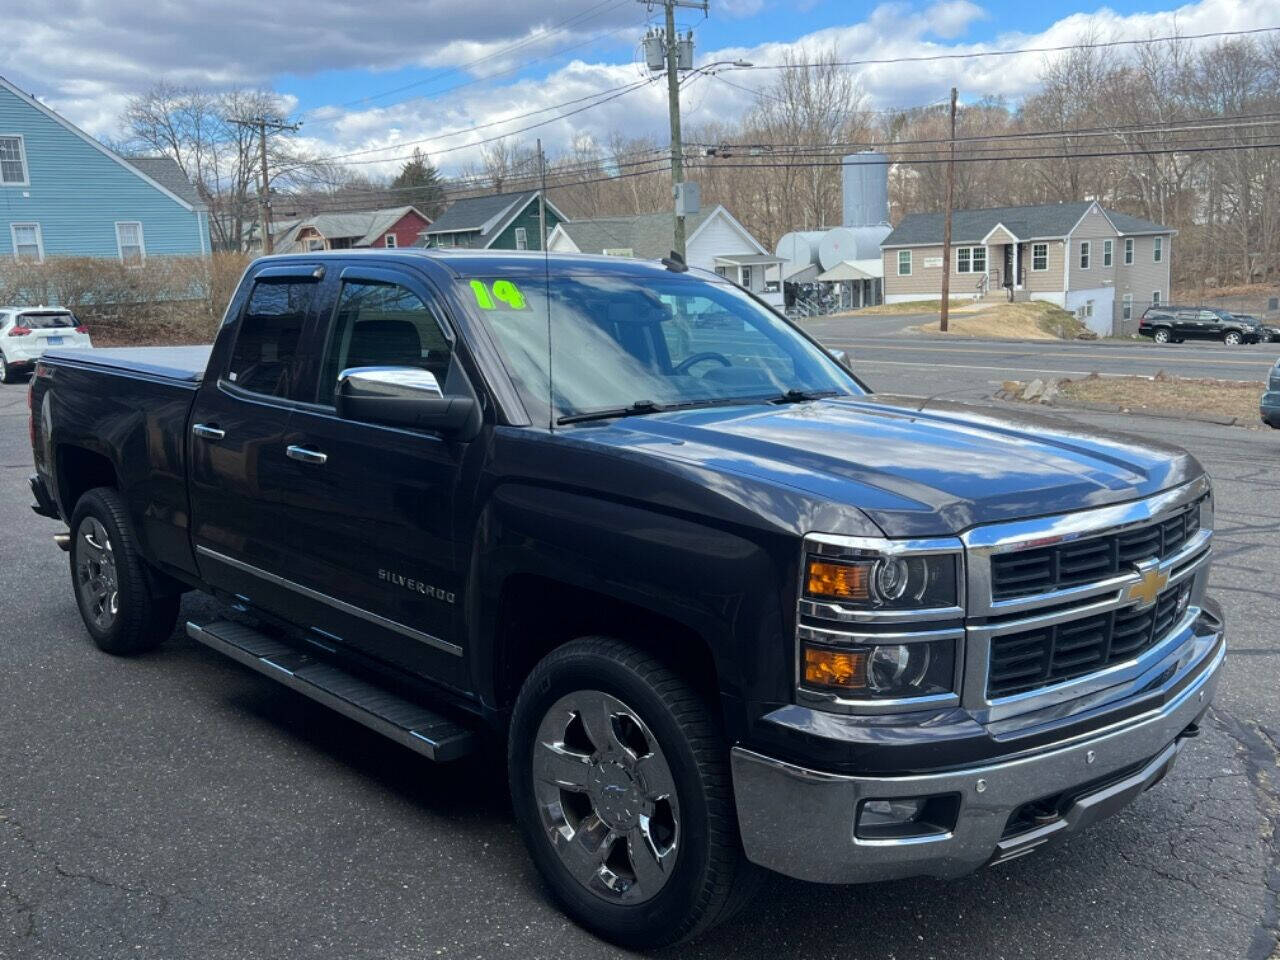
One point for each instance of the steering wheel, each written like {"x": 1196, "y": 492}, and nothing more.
{"x": 683, "y": 366}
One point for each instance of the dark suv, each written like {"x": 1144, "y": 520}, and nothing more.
{"x": 1164, "y": 324}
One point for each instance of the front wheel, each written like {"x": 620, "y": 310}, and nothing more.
{"x": 109, "y": 577}
{"x": 621, "y": 787}
{"x": 1160, "y": 336}
{"x": 1232, "y": 339}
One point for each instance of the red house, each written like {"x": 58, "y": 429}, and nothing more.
{"x": 393, "y": 227}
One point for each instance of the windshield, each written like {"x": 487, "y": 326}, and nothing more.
{"x": 624, "y": 342}
{"x": 46, "y": 321}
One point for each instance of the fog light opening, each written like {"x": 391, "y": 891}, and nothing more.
{"x": 903, "y": 818}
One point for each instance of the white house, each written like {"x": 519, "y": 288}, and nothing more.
{"x": 714, "y": 240}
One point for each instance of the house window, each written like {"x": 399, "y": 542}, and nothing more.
{"x": 971, "y": 259}
{"x": 1128, "y": 250}
{"x": 1106, "y": 253}
{"x": 1084, "y": 254}
{"x": 522, "y": 238}
{"x": 1155, "y": 298}
{"x": 389, "y": 241}
{"x": 1085, "y": 310}
{"x": 13, "y": 162}
{"x": 28, "y": 244}
{"x": 904, "y": 263}
{"x": 723, "y": 271}
{"x": 1126, "y": 307}
{"x": 129, "y": 243}
{"x": 746, "y": 278}
{"x": 1157, "y": 251}
{"x": 1039, "y": 256}
{"x": 314, "y": 244}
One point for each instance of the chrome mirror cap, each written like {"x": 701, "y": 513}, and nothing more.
{"x": 391, "y": 379}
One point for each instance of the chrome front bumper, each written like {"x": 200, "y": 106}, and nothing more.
{"x": 801, "y": 822}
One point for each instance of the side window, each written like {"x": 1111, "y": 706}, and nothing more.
{"x": 265, "y": 356}
{"x": 382, "y": 325}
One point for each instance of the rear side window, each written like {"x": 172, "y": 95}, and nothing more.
{"x": 46, "y": 321}
{"x": 265, "y": 358}
{"x": 383, "y": 325}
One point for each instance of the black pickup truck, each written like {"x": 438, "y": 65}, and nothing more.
{"x": 725, "y": 609}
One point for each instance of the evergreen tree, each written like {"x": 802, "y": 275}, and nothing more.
{"x": 422, "y": 180}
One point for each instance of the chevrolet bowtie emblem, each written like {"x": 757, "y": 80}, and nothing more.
{"x": 1148, "y": 588}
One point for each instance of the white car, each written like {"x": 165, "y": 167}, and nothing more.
{"x": 26, "y": 332}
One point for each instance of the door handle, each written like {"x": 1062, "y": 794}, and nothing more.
{"x": 206, "y": 432}
{"x": 303, "y": 455}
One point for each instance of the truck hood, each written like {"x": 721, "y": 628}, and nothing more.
{"x": 913, "y": 472}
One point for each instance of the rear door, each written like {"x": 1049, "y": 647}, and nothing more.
{"x": 370, "y": 508}
{"x": 238, "y": 468}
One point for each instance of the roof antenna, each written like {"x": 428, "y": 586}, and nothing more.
{"x": 675, "y": 263}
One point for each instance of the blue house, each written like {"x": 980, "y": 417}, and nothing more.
{"x": 62, "y": 193}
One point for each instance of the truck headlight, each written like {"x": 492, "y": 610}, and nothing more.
{"x": 885, "y": 582}
{"x": 881, "y": 670}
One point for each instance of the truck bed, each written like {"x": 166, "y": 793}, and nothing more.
{"x": 171, "y": 363}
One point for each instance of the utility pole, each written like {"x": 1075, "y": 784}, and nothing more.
{"x": 671, "y": 46}
{"x": 542, "y": 198}
{"x": 946, "y": 222}
{"x": 264, "y": 123}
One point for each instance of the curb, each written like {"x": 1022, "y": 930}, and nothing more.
{"x": 1199, "y": 416}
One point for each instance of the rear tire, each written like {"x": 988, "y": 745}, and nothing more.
{"x": 6, "y": 372}
{"x": 1161, "y": 336}
{"x": 109, "y": 578}
{"x": 621, "y": 786}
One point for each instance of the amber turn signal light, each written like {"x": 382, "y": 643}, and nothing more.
{"x": 839, "y": 669}
{"x": 845, "y": 581}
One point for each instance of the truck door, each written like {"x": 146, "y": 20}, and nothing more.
{"x": 237, "y": 462}
{"x": 370, "y": 508}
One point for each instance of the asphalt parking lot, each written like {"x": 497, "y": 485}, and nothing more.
{"x": 180, "y": 806}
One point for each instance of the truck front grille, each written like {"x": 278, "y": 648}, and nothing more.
{"x": 1036, "y": 658}
{"x": 1045, "y": 569}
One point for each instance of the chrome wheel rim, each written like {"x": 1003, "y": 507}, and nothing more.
{"x": 96, "y": 578}
{"x": 1161, "y": 337}
{"x": 606, "y": 797}
{"x": 1233, "y": 339}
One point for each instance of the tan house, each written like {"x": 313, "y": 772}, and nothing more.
{"x": 1105, "y": 266}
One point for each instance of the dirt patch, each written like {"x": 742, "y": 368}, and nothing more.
{"x": 1165, "y": 394}
{"x": 898, "y": 309}
{"x": 1035, "y": 320}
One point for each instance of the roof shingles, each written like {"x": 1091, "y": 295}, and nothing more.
{"x": 1036, "y": 222}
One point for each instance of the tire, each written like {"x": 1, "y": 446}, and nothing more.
{"x": 663, "y": 755}
{"x": 1161, "y": 335}
{"x": 1232, "y": 338}
{"x": 6, "y": 374}
{"x": 110, "y": 582}
{"x": 1179, "y": 340}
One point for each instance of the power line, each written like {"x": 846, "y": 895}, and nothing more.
{"x": 629, "y": 88}
{"x": 1102, "y": 44}
{"x": 1074, "y": 155}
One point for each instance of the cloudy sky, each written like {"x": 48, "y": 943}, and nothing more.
{"x": 368, "y": 77}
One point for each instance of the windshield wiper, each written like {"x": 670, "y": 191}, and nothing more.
{"x": 640, "y": 406}
{"x": 800, "y": 396}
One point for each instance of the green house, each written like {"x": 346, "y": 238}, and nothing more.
{"x": 501, "y": 221}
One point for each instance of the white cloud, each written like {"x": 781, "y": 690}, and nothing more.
{"x": 952, "y": 18}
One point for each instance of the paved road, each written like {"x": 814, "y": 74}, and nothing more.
{"x": 893, "y": 362}
{"x": 180, "y": 806}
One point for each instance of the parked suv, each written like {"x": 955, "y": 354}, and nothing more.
{"x": 1270, "y": 331}
{"x": 1165, "y": 324}
{"x": 26, "y": 332}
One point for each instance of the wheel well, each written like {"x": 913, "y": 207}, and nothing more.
{"x": 537, "y": 614}
{"x": 79, "y": 471}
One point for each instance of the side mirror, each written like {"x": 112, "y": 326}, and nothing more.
{"x": 842, "y": 357}
{"x": 405, "y": 397}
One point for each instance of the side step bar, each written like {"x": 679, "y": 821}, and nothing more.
{"x": 421, "y": 730}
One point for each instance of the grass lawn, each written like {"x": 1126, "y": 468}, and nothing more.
{"x": 1165, "y": 394}
{"x": 1034, "y": 320}
{"x": 897, "y": 309}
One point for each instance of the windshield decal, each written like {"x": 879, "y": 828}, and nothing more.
{"x": 504, "y": 295}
